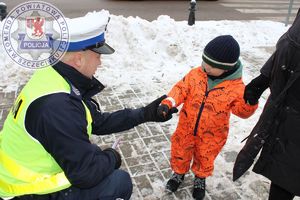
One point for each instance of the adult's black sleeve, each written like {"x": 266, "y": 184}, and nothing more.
{"x": 121, "y": 120}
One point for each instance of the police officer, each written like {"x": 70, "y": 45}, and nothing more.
{"x": 45, "y": 152}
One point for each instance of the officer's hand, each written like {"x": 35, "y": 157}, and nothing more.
{"x": 117, "y": 156}
{"x": 164, "y": 112}
{"x": 255, "y": 88}
{"x": 151, "y": 111}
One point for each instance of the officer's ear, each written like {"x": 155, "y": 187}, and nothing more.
{"x": 78, "y": 58}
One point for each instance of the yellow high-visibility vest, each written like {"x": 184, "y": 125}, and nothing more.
{"x": 25, "y": 166}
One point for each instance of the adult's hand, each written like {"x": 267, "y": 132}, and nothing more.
{"x": 255, "y": 88}
{"x": 116, "y": 155}
{"x": 164, "y": 112}
{"x": 151, "y": 111}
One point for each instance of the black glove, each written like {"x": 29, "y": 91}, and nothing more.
{"x": 255, "y": 88}
{"x": 117, "y": 157}
{"x": 151, "y": 111}
{"x": 163, "y": 111}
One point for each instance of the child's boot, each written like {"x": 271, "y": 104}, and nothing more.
{"x": 199, "y": 188}
{"x": 174, "y": 182}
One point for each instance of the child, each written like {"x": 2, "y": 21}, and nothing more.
{"x": 209, "y": 94}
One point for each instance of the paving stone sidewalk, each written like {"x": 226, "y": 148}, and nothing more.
{"x": 145, "y": 152}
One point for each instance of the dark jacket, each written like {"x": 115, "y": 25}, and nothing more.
{"x": 280, "y": 157}
{"x": 58, "y": 122}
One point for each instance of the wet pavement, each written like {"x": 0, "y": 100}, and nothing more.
{"x": 145, "y": 152}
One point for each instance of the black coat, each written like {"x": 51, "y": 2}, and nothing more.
{"x": 279, "y": 160}
{"x": 58, "y": 122}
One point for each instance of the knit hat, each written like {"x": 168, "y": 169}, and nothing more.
{"x": 222, "y": 52}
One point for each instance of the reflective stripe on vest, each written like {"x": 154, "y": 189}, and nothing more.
{"x": 17, "y": 175}
{"x": 34, "y": 183}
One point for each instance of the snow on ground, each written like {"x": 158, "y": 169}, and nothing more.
{"x": 164, "y": 50}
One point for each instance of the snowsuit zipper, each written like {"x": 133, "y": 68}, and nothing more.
{"x": 202, "y": 107}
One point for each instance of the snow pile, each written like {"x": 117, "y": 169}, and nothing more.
{"x": 160, "y": 52}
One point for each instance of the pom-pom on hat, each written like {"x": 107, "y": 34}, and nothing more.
{"x": 88, "y": 33}
{"x": 222, "y": 52}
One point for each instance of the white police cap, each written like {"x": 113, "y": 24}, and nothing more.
{"x": 88, "y": 33}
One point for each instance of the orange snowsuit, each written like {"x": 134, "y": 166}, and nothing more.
{"x": 203, "y": 120}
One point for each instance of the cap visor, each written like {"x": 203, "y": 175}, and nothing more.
{"x": 104, "y": 49}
